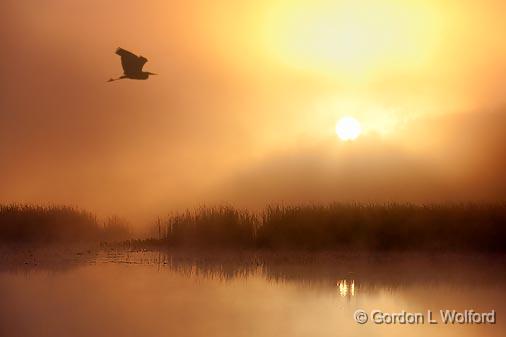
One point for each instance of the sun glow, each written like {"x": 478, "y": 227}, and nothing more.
{"x": 353, "y": 37}
{"x": 348, "y": 128}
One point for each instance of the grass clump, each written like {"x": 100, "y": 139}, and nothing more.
{"x": 214, "y": 227}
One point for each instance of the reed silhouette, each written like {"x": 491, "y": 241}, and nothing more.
{"x": 344, "y": 227}
{"x": 376, "y": 227}
{"x": 221, "y": 226}
{"x": 56, "y": 224}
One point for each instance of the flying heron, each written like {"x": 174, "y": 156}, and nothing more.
{"x": 132, "y": 66}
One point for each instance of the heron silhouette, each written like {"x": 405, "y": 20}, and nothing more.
{"x": 132, "y": 66}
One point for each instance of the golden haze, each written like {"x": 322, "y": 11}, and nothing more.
{"x": 247, "y": 100}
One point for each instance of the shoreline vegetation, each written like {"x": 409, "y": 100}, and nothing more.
{"x": 331, "y": 227}
{"x": 42, "y": 225}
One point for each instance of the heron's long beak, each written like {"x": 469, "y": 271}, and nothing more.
{"x": 152, "y": 73}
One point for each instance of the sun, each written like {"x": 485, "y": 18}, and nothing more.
{"x": 348, "y": 128}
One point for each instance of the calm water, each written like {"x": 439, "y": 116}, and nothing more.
{"x": 154, "y": 294}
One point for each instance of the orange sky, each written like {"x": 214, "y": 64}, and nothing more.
{"x": 245, "y": 106}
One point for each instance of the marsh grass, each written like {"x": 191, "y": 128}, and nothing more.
{"x": 337, "y": 226}
{"x": 212, "y": 227}
{"x": 354, "y": 226}
{"x": 55, "y": 224}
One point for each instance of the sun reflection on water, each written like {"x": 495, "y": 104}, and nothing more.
{"x": 346, "y": 288}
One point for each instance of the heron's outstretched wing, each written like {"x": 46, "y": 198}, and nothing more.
{"x": 131, "y": 63}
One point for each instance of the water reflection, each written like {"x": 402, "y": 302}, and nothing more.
{"x": 322, "y": 270}
{"x": 136, "y": 293}
{"x": 344, "y": 289}
{"x": 310, "y": 270}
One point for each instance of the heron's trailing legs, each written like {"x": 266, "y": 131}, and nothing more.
{"x": 115, "y": 79}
